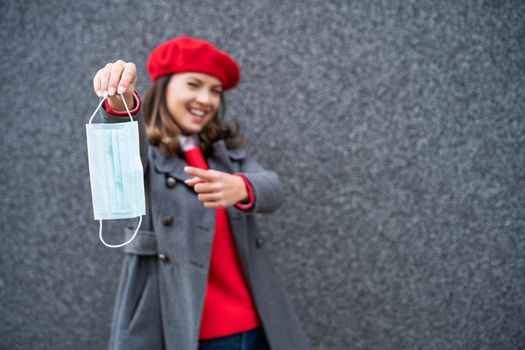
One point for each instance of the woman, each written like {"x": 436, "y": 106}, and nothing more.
{"x": 197, "y": 275}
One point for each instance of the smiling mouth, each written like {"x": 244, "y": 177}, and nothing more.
{"x": 197, "y": 113}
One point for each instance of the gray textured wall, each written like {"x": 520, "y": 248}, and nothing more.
{"x": 397, "y": 128}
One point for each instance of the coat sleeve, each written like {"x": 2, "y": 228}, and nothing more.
{"x": 266, "y": 186}
{"x": 122, "y": 117}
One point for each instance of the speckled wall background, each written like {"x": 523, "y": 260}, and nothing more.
{"x": 397, "y": 128}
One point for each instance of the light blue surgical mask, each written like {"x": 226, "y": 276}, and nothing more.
{"x": 115, "y": 171}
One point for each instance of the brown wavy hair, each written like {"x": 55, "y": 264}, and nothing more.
{"x": 163, "y": 131}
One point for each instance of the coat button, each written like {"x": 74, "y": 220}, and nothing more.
{"x": 259, "y": 242}
{"x": 163, "y": 257}
{"x": 170, "y": 182}
{"x": 168, "y": 220}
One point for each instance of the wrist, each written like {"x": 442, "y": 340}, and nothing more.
{"x": 244, "y": 195}
{"x": 134, "y": 106}
{"x": 116, "y": 104}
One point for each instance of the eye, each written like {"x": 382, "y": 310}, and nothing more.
{"x": 216, "y": 91}
{"x": 193, "y": 84}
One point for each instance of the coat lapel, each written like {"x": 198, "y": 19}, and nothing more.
{"x": 220, "y": 160}
{"x": 226, "y": 160}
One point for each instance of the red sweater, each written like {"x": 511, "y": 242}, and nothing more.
{"x": 228, "y": 306}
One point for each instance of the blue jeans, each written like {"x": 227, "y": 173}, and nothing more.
{"x": 254, "y": 339}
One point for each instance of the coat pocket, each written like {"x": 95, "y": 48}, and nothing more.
{"x": 138, "y": 289}
{"x": 145, "y": 242}
{"x": 137, "y": 314}
{"x": 138, "y": 300}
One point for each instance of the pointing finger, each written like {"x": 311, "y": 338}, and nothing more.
{"x": 206, "y": 175}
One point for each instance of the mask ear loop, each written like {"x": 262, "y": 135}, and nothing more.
{"x": 102, "y": 99}
{"x": 100, "y": 221}
{"x": 117, "y": 245}
{"x": 126, "y": 105}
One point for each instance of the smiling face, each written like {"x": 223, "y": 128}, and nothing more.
{"x": 193, "y": 99}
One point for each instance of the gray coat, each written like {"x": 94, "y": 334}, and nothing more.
{"x": 162, "y": 285}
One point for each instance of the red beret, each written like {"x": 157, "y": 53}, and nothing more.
{"x": 185, "y": 54}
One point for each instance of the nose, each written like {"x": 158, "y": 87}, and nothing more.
{"x": 203, "y": 96}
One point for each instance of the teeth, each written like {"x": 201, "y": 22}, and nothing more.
{"x": 197, "y": 112}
